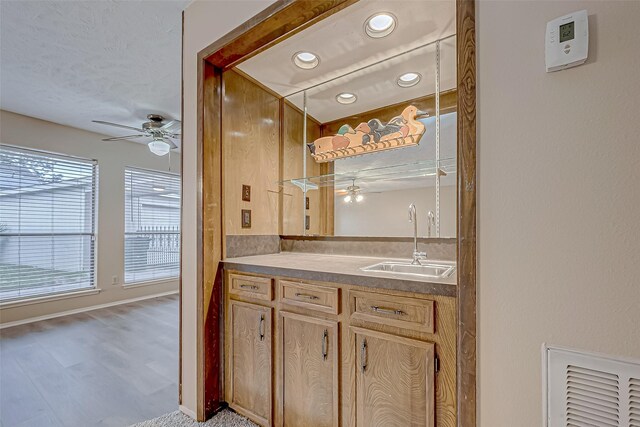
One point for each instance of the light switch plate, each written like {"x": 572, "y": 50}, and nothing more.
{"x": 246, "y": 193}
{"x": 246, "y": 218}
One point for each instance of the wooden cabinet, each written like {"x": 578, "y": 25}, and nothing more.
{"x": 307, "y": 354}
{"x": 310, "y": 356}
{"x": 394, "y": 380}
{"x": 249, "y": 362}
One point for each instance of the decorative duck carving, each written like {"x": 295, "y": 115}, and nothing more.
{"x": 369, "y": 137}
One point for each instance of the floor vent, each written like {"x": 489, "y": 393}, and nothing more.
{"x": 590, "y": 390}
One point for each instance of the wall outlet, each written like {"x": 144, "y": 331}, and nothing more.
{"x": 114, "y": 280}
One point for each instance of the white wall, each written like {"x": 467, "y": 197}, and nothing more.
{"x": 112, "y": 158}
{"x": 205, "y": 21}
{"x": 558, "y": 198}
{"x": 387, "y": 213}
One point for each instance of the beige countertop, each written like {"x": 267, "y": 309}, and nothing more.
{"x": 339, "y": 269}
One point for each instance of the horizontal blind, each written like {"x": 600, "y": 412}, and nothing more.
{"x": 152, "y": 226}
{"x": 47, "y": 223}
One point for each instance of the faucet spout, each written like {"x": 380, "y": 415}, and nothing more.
{"x": 414, "y": 219}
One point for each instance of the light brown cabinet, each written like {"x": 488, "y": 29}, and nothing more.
{"x": 337, "y": 355}
{"x": 309, "y": 353}
{"x": 249, "y": 389}
{"x": 394, "y": 380}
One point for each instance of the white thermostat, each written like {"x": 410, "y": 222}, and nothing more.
{"x": 567, "y": 41}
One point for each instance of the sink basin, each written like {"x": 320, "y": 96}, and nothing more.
{"x": 431, "y": 269}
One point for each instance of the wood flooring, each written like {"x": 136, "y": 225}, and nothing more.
{"x": 110, "y": 367}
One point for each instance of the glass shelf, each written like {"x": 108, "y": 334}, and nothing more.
{"x": 419, "y": 169}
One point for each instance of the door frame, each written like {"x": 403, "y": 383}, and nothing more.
{"x": 281, "y": 20}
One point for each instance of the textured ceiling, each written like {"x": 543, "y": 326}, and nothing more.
{"x": 70, "y": 62}
{"x": 342, "y": 46}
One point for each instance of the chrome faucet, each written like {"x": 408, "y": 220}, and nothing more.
{"x": 431, "y": 220}
{"x": 417, "y": 256}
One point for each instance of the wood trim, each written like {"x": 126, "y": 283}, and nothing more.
{"x": 276, "y": 23}
{"x": 466, "y": 340}
{"x": 210, "y": 239}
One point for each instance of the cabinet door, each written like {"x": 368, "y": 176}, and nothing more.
{"x": 249, "y": 358}
{"x": 309, "y": 371}
{"x": 394, "y": 380}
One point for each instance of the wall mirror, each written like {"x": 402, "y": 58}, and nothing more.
{"x": 368, "y": 121}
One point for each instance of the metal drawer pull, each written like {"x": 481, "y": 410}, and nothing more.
{"x": 307, "y": 296}
{"x": 254, "y": 287}
{"x": 363, "y": 355}
{"x": 261, "y": 327}
{"x": 325, "y": 344}
{"x": 387, "y": 310}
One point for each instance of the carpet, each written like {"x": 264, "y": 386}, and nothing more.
{"x": 223, "y": 418}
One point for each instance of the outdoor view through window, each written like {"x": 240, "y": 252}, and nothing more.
{"x": 152, "y": 226}
{"x": 47, "y": 223}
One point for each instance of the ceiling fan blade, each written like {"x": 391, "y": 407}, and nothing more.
{"x": 117, "y": 125}
{"x": 172, "y": 127}
{"x": 119, "y": 138}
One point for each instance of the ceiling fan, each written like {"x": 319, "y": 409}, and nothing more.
{"x": 155, "y": 128}
{"x": 353, "y": 193}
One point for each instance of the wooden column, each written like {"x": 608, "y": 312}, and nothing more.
{"x": 210, "y": 244}
{"x": 466, "y": 218}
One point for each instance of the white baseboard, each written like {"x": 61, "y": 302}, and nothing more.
{"x": 188, "y": 412}
{"x": 83, "y": 309}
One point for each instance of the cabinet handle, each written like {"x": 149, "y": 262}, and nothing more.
{"x": 253, "y": 287}
{"x": 325, "y": 344}
{"x": 384, "y": 310}
{"x": 363, "y": 355}
{"x": 261, "y": 327}
{"x": 307, "y": 296}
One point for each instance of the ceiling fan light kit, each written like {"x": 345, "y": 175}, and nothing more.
{"x": 159, "y": 147}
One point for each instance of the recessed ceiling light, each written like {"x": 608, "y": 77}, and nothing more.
{"x": 346, "y": 98}
{"x": 305, "y": 60}
{"x": 380, "y": 25}
{"x": 409, "y": 79}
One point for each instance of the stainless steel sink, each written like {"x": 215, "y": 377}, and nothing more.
{"x": 431, "y": 269}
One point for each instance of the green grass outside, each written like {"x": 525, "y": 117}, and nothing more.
{"x": 14, "y": 276}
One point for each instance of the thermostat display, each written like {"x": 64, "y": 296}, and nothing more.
{"x": 567, "y": 41}
{"x": 566, "y": 31}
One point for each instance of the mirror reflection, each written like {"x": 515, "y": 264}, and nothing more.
{"x": 361, "y": 141}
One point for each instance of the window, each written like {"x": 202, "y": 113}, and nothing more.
{"x": 152, "y": 226}
{"x": 47, "y": 223}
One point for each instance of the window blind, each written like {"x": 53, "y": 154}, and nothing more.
{"x": 152, "y": 226}
{"x": 47, "y": 223}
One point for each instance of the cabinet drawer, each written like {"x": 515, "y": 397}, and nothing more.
{"x": 251, "y": 286}
{"x": 313, "y": 297}
{"x": 403, "y": 312}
